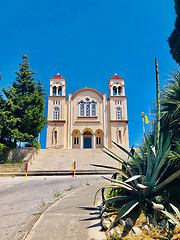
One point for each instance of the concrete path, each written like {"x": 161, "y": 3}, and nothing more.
{"x": 72, "y": 217}
{"x": 22, "y": 201}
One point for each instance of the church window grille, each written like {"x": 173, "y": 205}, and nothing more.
{"x": 56, "y": 113}
{"x": 118, "y": 113}
{"x": 87, "y": 109}
{"x": 81, "y": 110}
{"x": 93, "y": 105}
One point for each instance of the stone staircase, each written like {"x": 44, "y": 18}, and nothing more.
{"x": 62, "y": 159}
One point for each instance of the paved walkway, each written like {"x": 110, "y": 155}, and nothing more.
{"x": 72, "y": 217}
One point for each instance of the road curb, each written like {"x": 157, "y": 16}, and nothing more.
{"x": 57, "y": 173}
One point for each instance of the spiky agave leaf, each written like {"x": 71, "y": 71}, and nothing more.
{"x": 165, "y": 182}
{"x": 132, "y": 178}
{"x": 171, "y": 217}
{"x": 126, "y": 208}
{"x": 130, "y": 155}
{"x": 176, "y": 210}
{"x": 121, "y": 198}
{"x": 116, "y": 157}
{"x": 105, "y": 166}
{"x": 122, "y": 184}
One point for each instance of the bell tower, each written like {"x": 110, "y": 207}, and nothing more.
{"x": 56, "y": 123}
{"x": 118, "y": 112}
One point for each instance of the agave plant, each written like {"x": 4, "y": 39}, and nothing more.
{"x": 143, "y": 176}
{"x": 171, "y": 217}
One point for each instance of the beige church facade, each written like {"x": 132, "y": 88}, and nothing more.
{"x": 87, "y": 119}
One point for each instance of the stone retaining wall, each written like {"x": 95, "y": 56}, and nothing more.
{"x": 26, "y": 154}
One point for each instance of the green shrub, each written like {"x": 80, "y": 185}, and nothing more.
{"x": 2, "y": 148}
{"x": 33, "y": 143}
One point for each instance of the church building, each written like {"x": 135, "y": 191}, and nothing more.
{"x": 87, "y": 119}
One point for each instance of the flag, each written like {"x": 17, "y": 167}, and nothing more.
{"x": 146, "y": 119}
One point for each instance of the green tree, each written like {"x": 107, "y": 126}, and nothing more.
{"x": 170, "y": 106}
{"x": 174, "y": 39}
{"x": 25, "y": 99}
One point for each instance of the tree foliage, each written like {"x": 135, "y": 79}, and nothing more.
{"x": 24, "y": 108}
{"x": 174, "y": 39}
{"x": 170, "y": 106}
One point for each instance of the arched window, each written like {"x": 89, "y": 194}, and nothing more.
{"x": 118, "y": 113}
{"x": 114, "y": 90}
{"x": 119, "y": 90}
{"x": 81, "y": 109}
{"x": 56, "y": 113}
{"x": 54, "y": 90}
{"x": 119, "y": 133}
{"x": 59, "y": 90}
{"x": 87, "y": 107}
{"x": 93, "y": 109}
{"x": 76, "y": 140}
{"x": 55, "y": 136}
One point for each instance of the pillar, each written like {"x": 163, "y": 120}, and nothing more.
{"x": 94, "y": 141}
{"x": 71, "y": 141}
{"x": 81, "y": 140}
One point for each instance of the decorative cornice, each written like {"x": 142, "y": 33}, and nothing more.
{"x": 87, "y": 90}
{"x": 118, "y": 96}
{"x": 87, "y": 117}
{"x": 56, "y": 121}
{"x": 119, "y": 121}
{"x": 56, "y": 96}
{"x": 87, "y": 121}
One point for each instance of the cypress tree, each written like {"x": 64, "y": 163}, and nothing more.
{"x": 26, "y": 100}
{"x": 174, "y": 39}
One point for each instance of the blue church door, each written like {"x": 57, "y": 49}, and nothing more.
{"x": 87, "y": 142}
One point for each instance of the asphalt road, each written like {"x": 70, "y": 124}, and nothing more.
{"x": 20, "y": 198}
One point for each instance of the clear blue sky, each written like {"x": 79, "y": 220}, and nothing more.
{"x": 87, "y": 42}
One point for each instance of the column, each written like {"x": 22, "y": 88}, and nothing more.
{"x": 94, "y": 141}
{"x": 81, "y": 140}
{"x": 71, "y": 141}
{"x": 56, "y": 91}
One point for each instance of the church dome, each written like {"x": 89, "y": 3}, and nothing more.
{"x": 116, "y": 76}
{"x": 57, "y": 76}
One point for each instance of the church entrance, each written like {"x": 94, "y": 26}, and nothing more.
{"x": 87, "y": 139}
{"x": 87, "y": 142}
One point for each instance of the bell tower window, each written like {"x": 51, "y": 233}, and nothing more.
{"x": 59, "y": 90}
{"x": 54, "y": 91}
{"x": 114, "y": 90}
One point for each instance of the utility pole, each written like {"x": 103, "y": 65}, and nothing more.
{"x": 157, "y": 102}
